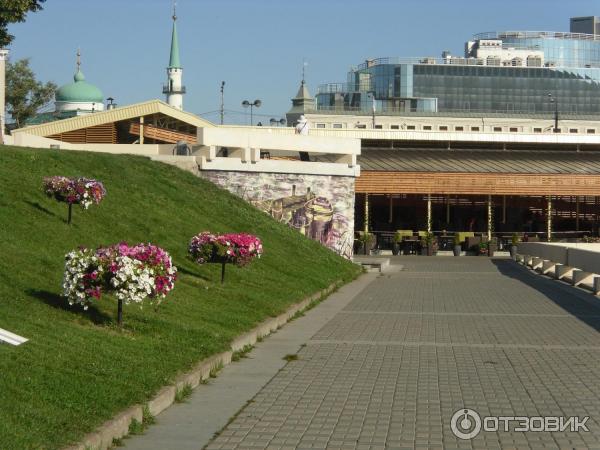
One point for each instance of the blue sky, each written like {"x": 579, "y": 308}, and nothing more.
{"x": 257, "y": 46}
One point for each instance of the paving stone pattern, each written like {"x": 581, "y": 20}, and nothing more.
{"x": 391, "y": 369}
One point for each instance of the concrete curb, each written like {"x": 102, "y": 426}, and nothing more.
{"x": 118, "y": 426}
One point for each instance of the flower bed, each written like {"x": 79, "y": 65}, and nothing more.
{"x": 132, "y": 274}
{"x": 233, "y": 248}
{"x": 82, "y": 191}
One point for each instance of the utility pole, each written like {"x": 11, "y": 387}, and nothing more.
{"x": 373, "y": 108}
{"x": 554, "y": 100}
{"x": 222, "y": 102}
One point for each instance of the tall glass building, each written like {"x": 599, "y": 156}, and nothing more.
{"x": 510, "y": 72}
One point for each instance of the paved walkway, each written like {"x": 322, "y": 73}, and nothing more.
{"x": 391, "y": 368}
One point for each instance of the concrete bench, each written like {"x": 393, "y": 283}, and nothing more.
{"x": 372, "y": 264}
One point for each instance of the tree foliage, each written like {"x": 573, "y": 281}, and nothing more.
{"x": 12, "y": 11}
{"x": 24, "y": 94}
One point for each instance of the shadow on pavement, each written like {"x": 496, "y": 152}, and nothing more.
{"x": 577, "y": 303}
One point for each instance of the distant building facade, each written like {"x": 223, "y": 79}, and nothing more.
{"x": 508, "y": 73}
{"x": 587, "y": 25}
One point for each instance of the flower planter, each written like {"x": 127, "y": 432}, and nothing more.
{"x": 513, "y": 251}
{"x": 429, "y": 250}
{"x": 131, "y": 274}
{"x": 79, "y": 191}
{"x": 456, "y": 250}
{"x": 396, "y": 248}
{"x": 238, "y": 249}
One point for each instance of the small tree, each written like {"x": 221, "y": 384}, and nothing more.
{"x": 24, "y": 94}
{"x": 12, "y": 11}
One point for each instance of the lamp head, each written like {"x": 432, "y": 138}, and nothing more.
{"x": 245, "y": 103}
{"x": 257, "y": 103}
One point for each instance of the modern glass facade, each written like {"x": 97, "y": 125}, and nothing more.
{"x": 560, "y": 49}
{"x": 514, "y": 75}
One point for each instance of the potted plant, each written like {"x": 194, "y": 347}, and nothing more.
{"x": 483, "y": 249}
{"x": 457, "y": 245}
{"x": 396, "y": 245}
{"x": 367, "y": 241}
{"x": 429, "y": 245}
{"x": 513, "y": 246}
{"x": 492, "y": 247}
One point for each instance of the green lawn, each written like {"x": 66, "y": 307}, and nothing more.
{"x": 79, "y": 369}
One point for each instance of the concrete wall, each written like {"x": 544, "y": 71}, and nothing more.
{"x": 30, "y": 140}
{"x": 543, "y": 250}
{"x": 322, "y": 124}
{"x": 582, "y": 256}
{"x": 320, "y": 207}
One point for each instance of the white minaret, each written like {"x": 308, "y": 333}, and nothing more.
{"x": 174, "y": 89}
{"x": 3, "y": 57}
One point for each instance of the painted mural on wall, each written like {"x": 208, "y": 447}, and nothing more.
{"x": 318, "y": 206}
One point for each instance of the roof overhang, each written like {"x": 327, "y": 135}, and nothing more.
{"x": 446, "y": 183}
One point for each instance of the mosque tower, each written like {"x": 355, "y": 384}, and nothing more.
{"x": 174, "y": 90}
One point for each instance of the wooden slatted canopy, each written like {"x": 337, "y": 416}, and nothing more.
{"x": 372, "y": 182}
{"x": 101, "y": 134}
{"x": 492, "y": 172}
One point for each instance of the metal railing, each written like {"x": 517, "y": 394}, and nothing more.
{"x": 172, "y": 90}
{"x": 535, "y": 35}
{"x": 457, "y": 112}
{"x": 472, "y": 61}
{"x": 385, "y": 239}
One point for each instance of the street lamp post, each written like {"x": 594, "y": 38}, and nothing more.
{"x": 277, "y": 122}
{"x": 222, "y": 102}
{"x": 372, "y": 97}
{"x": 256, "y": 103}
{"x": 555, "y": 101}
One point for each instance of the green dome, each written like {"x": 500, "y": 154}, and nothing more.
{"x": 80, "y": 91}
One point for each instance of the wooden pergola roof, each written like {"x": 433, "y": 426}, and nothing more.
{"x": 492, "y": 172}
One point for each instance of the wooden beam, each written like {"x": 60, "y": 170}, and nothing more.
{"x": 161, "y": 134}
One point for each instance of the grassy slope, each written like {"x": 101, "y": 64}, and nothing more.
{"x": 78, "y": 369}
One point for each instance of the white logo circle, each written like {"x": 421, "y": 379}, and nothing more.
{"x": 464, "y": 420}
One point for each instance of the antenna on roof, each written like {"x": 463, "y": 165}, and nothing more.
{"x": 174, "y": 10}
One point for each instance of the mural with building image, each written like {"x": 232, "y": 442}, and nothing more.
{"x": 318, "y": 206}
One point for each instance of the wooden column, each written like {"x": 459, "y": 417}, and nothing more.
{"x": 577, "y": 213}
{"x": 503, "y": 209}
{"x": 141, "y": 130}
{"x": 366, "y": 213}
{"x": 549, "y": 218}
{"x": 447, "y": 209}
{"x": 391, "y": 218}
{"x": 490, "y": 218}
{"x": 429, "y": 213}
